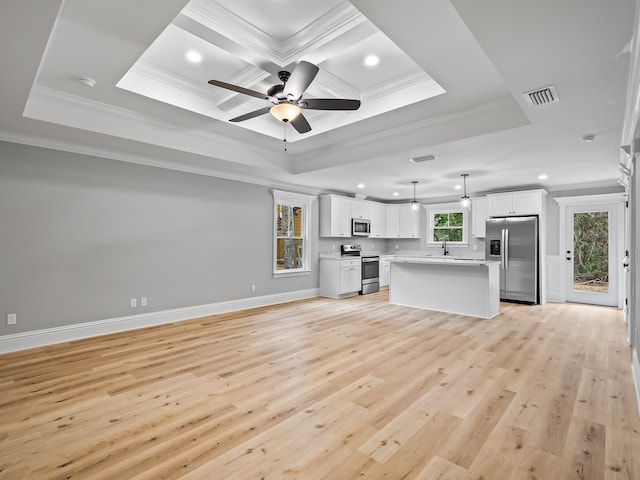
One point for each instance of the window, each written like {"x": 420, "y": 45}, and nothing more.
{"x": 447, "y": 222}
{"x": 291, "y": 233}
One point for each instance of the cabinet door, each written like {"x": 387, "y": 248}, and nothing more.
{"x": 340, "y": 217}
{"x": 377, "y": 215}
{"x": 360, "y": 209}
{"x": 350, "y": 279}
{"x": 500, "y": 205}
{"x": 526, "y": 203}
{"x": 409, "y": 222}
{"x": 385, "y": 268}
{"x": 479, "y": 214}
{"x": 392, "y": 221}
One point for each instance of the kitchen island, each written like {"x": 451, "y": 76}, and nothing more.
{"x": 452, "y": 285}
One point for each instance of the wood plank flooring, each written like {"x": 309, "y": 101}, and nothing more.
{"x": 330, "y": 389}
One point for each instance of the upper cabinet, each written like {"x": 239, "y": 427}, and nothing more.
{"x": 528, "y": 202}
{"x": 387, "y": 221}
{"x": 378, "y": 217}
{"x": 335, "y": 216}
{"x": 409, "y": 222}
{"x": 402, "y": 221}
{"x": 479, "y": 215}
{"x": 360, "y": 209}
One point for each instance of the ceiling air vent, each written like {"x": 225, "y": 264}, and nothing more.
{"x": 426, "y": 158}
{"x": 542, "y": 96}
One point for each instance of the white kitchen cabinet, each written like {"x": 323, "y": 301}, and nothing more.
{"x": 340, "y": 277}
{"x": 528, "y": 202}
{"x": 392, "y": 216}
{"x": 335, "y": 216}
{"x": 385, "y": 269}
{"x": 360, "y": 209}
{"x": 402, "y": 221}
{"x": 378, "y": 217}
{"x": 409, "y": 222}
{"x": 479, "y": 215}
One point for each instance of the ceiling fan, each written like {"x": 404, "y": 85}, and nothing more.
{"x": 287, "y": 98}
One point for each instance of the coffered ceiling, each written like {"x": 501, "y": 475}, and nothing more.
{"x": 449, "y": 83}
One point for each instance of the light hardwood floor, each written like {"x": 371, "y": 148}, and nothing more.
{"x": 330, "y": 389}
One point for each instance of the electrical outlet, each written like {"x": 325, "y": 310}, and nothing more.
{"x": 253, "y": 287}
{"x": 397, "y": 246}
{"x": 143, "y": 301}
{"x": 133, "y": 303}
{"x": 12, "y": 318}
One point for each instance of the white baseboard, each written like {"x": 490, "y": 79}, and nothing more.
{"x": 635, "y": 370}
{"x": 67, "y": 333}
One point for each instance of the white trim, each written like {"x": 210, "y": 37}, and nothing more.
{"x": 597, "y": 200}
{"x": 554, "y": 285}
{"x": 293, "y": 199}
{"x": 67, "y": 333}
{"x": 453, "y": 207}
{"x": 635, "y": 371}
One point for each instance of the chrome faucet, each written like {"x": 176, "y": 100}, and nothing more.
{"x": 444, "y": 246}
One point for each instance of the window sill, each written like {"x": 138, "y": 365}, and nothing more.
{"x": 292, "y": 273}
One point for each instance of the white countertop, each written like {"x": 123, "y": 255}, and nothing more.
{"x": 442, "y": 260}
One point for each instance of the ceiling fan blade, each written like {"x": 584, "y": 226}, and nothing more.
{"x": 236, "y": 88}
{"x": 330, "y": 104}
{"x": 300, "y": 79}
{"x": 249, "y": 115}
{"x": 300, "y": 124}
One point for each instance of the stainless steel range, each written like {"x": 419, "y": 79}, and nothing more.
{"x": 370, "y": 274}
{"x": 370, "y": 268}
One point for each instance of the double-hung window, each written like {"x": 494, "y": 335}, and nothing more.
{"x": 447, "y": 222}
{"x": 291, "y": 233}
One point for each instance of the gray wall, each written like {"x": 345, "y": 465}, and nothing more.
{"x": 80, "y": 236}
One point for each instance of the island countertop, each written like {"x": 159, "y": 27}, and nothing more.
{"x": 442, "y": 260}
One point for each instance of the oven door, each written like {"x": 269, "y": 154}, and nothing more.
{"x": 370, "y": 275}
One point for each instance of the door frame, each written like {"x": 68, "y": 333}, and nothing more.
{"x": 617, "y": 199}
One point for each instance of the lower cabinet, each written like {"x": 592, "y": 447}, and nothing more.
{"x": 385, "y": 271}
{"x": 340, "y": 277}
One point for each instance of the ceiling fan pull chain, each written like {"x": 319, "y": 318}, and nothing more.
{"x": 285, "y": 137}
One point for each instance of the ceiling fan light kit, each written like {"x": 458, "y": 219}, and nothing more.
{"x": 287, "y": 97}
{"x": 285, "y": 112}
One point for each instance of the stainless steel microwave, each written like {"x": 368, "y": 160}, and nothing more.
{"x": 360, "y": 227}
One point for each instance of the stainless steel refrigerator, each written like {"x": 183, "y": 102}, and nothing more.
{"x": 514, "y": 241}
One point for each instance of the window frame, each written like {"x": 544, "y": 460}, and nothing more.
{"x": 293, "y": 200}
{"x": 433, "y": 210}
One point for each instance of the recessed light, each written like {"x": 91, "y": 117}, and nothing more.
{"x": 371, "y": 60}
{"x": 361, "y": 185}
{"x": 588, "y": 138}
{"x": 458, "y": 187}
{"x": 193, "y": 56}
{"x": 395, "y": 194}
{"x": 543, "y": 176}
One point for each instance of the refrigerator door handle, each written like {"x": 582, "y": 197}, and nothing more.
{"x": 506, "y": 249}
{"x": 502, "y": 258}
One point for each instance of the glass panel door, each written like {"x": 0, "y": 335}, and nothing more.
{"x": 590, "y": 255}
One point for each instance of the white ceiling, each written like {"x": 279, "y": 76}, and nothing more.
{"x": 449, "y": 83}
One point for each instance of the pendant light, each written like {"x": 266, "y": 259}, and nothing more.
{"x": 465, "y": 201}
{"x": 415, "y": 204}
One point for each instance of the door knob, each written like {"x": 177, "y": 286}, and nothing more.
{"x": 568, "y": 258}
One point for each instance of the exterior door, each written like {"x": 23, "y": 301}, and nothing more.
{"x": 591, "y": 254}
